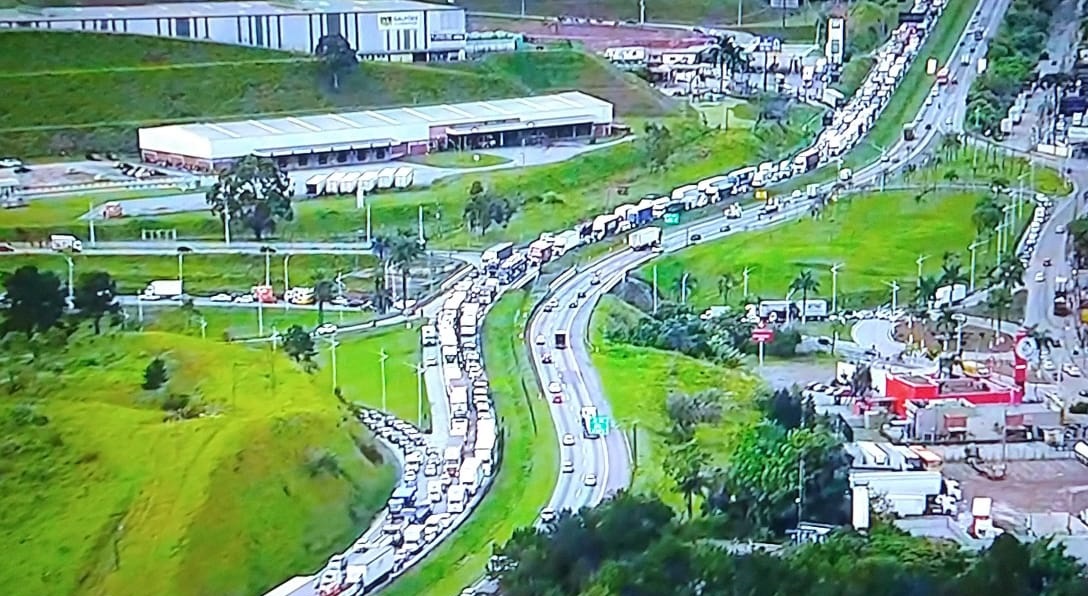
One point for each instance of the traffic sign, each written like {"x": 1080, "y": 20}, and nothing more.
{"x": 672, "y": 218}
{"x": 761, "y": 194}
{"x": 762, "y": 335}
{"x": 598, "y": 425}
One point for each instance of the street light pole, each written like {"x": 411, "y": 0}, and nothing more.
{"x": 684, "y": 289}
{"x": 71, "y": 280}
{"x": 286, "y": 283}
{"x": 654, "y": 297}
{"x": 419, "y": 394}
{"x": 90, "y": 221}
{"x": 267, "y": 269}
{"x": 835, "y": 287}
{"x": 973, "y": 248}
{"x": 226, "y": 227}
{"x": 181, "y": 268}
{"x": 921, "y": 259}
{"x": 894, "y": 285}
{"x": 747, "y": 271}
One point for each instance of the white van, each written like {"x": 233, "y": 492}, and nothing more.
{"x": 429, "y": 335}
{"x": 434, "y": 491}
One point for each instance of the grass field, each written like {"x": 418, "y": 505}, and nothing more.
{"x": 458, "y": 159}
{"x": 637, "y": 381}
{"x": 125, "y": 82}
{"x": 878, "y": 237}
{"x": 983, "y": 164}
{"x": 527, "y": 476}
{"x": 359, "y": 370}
{"x": 225, "y": 323}
{"x": 203, "y": 274}
{"x": 103, "y": 496}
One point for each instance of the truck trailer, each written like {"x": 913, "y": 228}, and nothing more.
{"x": 645, "y": 238}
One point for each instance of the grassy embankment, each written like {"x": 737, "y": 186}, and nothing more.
{"x": 878, "y": 238}
{"x": 527, "y": 476}
{"x": 203, "y": 274}
{"x": 103, "y": 495}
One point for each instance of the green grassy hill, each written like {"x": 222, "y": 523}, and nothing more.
{"x": 102, "y": 495}
{"x": 71, "y": 92}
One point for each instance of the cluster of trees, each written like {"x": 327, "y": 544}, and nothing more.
{"x": 254, "y": 192}
{"x": 636, "y": 546}
{"x": 723, "y": 340}
{"x": 1019, "y": 45}
{"x": 399, "y": 252}
{"x": 35, "y": 302}
{"x": 1078, "y": 233}
{"x": 485, "y": 209}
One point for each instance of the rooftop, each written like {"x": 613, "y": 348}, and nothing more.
{"x": 523, "y": 108}
{"x": 212, "y": 9}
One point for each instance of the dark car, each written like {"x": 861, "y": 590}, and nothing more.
{"x": 725, "y": 228}
{"x": 696, "y": 237}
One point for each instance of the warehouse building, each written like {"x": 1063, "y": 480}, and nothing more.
{"x": 396, "y": 30}
{"x": 333, "y": 140}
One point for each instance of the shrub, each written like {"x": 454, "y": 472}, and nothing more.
{"x": 155, "y": 375}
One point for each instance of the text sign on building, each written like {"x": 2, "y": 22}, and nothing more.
{"x": 396, "y": 21}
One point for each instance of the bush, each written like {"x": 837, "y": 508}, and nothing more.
{"x": 175, "y": 402}
{"x": 155, "y": 375}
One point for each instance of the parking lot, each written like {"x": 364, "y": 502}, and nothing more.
{"x": 1054, "y": 485}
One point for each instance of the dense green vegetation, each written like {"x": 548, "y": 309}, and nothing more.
{"x": 527, "y": 474}
{"x": 72, "y": 92}
{"x": 636, "y": 546}
{"x": 1012, "y": 55}
{"x": 160, "y": 462}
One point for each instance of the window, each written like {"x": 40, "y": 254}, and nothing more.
{"x": 342, "y": 156}
{"x": 182, "y": 27}
{"x": 332, "y": 23}
{"x": 303, "y": 160}
{"x": 322, "y": 158}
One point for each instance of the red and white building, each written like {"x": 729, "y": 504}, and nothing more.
{"x": 374, "y": 136}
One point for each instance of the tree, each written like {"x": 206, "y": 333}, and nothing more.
{"x": 254, "y": 191}
{"x": 804, "y": 283}
{"x": 1010, "y": 273}
{"x": 952, "y": 271}
{"x": 727, "y": 282}
{"x": 998, "y": 303}
{"x": 337, "y": 55}
{"x": 405, "y": 250}
{"x": 34, "y": 302}
{"x": 299, "y": 344}
{"x": 789, "y": 409}
{"x": 658, "y": 145}
{"x": 686, "y": 411}
{"x": 324, "y": 291}
{"x": 926, "y": 291}
{"x": 686, "y": 464}
{"x": 94, "y": 297}
{"x": 482, "y": 209}
{"x": 987, "y": 215}
{"x": 155, "y": 375}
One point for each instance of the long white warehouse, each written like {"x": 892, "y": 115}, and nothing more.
{"x": 330, "y": 140}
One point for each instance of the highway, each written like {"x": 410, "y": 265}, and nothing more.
{"x": 610, "y": 457}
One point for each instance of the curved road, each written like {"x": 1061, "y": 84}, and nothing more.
{"x": 609, "y": 458}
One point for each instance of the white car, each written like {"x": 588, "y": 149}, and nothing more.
{"x": 10, "y": 162}
{"x": 555, "y": 387}
{"x": 568, "y": 439}
{"x": 326, "y": 329}
{"x": 596, "y": 279}
{"x": 1040, "y": 277}
{"x": 431, "y": 361}
{"x": 244, "y": 299}
{"x": 1048, "y": 364}
{"x": 1071, "y": 369}
{"x": 221, "y": 297}
{"x": 339, "y": 301}
{"x": 568, "y": 467}
{"x": 540, "y": 340}
{"x": 547, "y": 515}
{"x": 591, "y": 480}
{"x": 553, "y": 303}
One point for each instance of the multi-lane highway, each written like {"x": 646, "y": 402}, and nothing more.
{"x": 609, "y": 458}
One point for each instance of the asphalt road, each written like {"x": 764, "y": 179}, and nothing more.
{"x": 611, "y": 457}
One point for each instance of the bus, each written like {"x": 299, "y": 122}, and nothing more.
{"x": 588, "y": 414}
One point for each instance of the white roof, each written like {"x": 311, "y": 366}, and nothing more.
{"x": 220, "y": 9}
{"x": 368, "y": 128}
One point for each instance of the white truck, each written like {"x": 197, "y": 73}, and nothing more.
{"x": 456, "y": 500}
{"x": 429, "y": 335}
{"x": 163, "y": 288}
{"x": 60, "y": 242}
{"x": 733, "y": 211}
{"x": 645, "y": 238}
{"x": 373, "y": 567}
{"x": 469, "y": 475}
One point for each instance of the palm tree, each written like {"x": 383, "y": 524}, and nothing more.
{"x": 926, "y": 291}
{"x": 946, "y": 322}
{"x": 323, "y": 292}
{"x": 838, "y": 327}
{"x": 406, "y": 249}
{"x": 726, "y": 284}
{"x": 684, "y": 285}
{"x": 1010, "y": 273}
{"x": 804, "y": 283}
{"x": 987, "y": 215}
{"x": 952, "y": 271}
{"x": 999, "y": 302}
{"x": 381, "y": 299}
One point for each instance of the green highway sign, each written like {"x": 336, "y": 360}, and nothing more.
{"x": 672, "y": 218}
{"x": 598, "y": 425}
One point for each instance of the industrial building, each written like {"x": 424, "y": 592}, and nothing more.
{"x": 396, "y": 30}
{"x": 333, "y": 140}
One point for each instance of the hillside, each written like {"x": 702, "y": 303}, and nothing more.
{"x": 71, "y": 91}
{"x": 103, "y": 494}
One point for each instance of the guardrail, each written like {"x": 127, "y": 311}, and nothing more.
{"x": 178, "y": 184}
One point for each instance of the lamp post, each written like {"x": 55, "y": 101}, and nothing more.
{"x": 90, "y": 222}
{"x": 420, "y": 370}
{"x": 286, "y": 283}
{"x": 973, "y": 247}
{"x": 226, "y": 227}
{"x": 894, "y": 285}
{"x": 382, "y": 359}
{"x": 181, "y": 268}
{"x": 684, "y": 288}
{"x": 921, "y": 259}
{"x": 835, "y": 287}
{"x": 71, "y": 281}
{"x": 267, "y": 268}
{"x": 332, "y": 349}
{"x": 655, "y": 291}
{"x": 747, "y": 271}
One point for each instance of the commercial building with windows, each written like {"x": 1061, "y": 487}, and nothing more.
{"x": 397, "y": 30}
{"x": 330, "y": 140}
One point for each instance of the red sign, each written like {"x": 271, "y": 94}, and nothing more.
{"x": 762, "y": 335}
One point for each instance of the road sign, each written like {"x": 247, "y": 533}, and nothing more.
{"x": 598, "y": 425}
{"x": 672, "y": 218}
{"x": 762, "y": 335}
{"x": 761, "y": 194}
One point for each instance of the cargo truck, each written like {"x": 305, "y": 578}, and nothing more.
{"x": 162, "y": 288}
{"x": 560, "y": 340}
{"x": 372, "y": 568}
{"x": 644, "y": 239}
{"x": 497, "y": 254}
{"x": 469, "y": 475}
{"x": 60, "y": 242}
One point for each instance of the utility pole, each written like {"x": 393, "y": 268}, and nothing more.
{"x": 286, "y": 283}
{"x": 419, "y": 394}
{"x": 181, "y": 267}
{"x": 71, "y": 282}
{"x": 368, "y": 239}
{"x": 684, "y": 288}
{"x": 921, "y": 259}
{"x": 835, "y": 287}
{"x": 268, "y": 269}
{"x": 90, "y": 221}
{"x": 973, "y": 247}
{"x": 654, "y": 297}
{"x": 260, "y": 317}
{"x": 422, "y": 238}
{"x": 894, "y": 285}
{"x": 641, "y": 12}
{"x": 747, "y": 271}
{"x": 226, "y": 227}
{"x": 383, "y": 358}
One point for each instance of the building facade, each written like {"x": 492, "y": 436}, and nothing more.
{"x": 332, "y": 140}
{"x": 395, "y": 30}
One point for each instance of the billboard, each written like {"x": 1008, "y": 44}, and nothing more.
{"x": 836, "y": 40}
{"x": 399, "y": 21}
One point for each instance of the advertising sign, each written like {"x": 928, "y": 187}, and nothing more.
{"x": 398, "y": 21}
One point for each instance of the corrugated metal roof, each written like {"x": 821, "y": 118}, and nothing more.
{"x": 212, "y": 9}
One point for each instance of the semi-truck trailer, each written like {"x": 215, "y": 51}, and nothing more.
{"x": 163, "y": 288}
{"x": 65, "y": 242}
{"x": 560, "y": 340}
{"x": 645, "y": 238}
